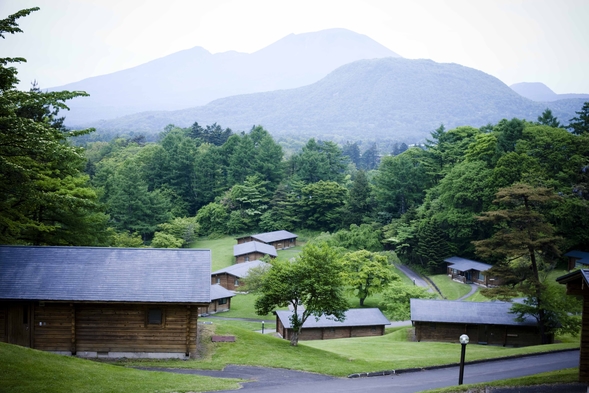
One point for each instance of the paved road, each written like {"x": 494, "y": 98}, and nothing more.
{"x": 285, "y": 381}
{"x": 413, "y": 276}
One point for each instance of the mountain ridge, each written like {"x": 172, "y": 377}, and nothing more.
{"x": 539, "y": 92}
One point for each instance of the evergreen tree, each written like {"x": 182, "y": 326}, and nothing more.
{"x": 579, "y": 125}
{"x": 548, "y": 119}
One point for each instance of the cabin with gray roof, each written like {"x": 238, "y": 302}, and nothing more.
{"x": 488, "y": 323}
{"x": 279, "y": 239}
{"x": 103, "y": 302}
{"x": 230, "y": 276}
{"x": 359, "y": 322}
{"x": 468, "y": 272}
{"x": 577, "y": 284}
{"x": 577, "y": 259}
{"x": 252, "y": 251}
{"x": 220, "y": 300}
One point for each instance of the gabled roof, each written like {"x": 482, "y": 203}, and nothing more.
{"x": 218, "y": 292}
{"x": 574, "y": 275}
{"x": 581, "y": 256}
{"x": 240, "y": 269}
{"x": 269, "y": 237}
{"x": 354, "y": 317}
{"x": 249, "y": 247}
{"x": 105, "y": 274}
{"x": 463, "y": 265}
{"x": 450, "y": 311}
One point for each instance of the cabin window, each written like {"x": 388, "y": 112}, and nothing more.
{"x": 236, "y": 282}
{"x": 218, "y": 280}
{"x": 481, "y": 276}
{"x": 154, "y": 316}
{"x": 222, "y": 301}
{"x": 247, "y": 258}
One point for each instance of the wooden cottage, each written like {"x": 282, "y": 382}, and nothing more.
{"x": 468, "y": 272}
{"x": 359, "y": 322}
{"x": 251, "y": 251}
{"x": 230, "y": 276}
{"x": 279, "y": 239}
{"x": 488, "y": 323}
{"x": 103, "y": 302}
{"x": 577, "y": 284}
{"x": 577, "y": 259}
{"x": 220, "y": 300}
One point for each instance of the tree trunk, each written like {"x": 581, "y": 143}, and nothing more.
{"x": 362, "y": 301}
{"x": 294, "y": 338}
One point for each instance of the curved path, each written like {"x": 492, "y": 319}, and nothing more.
{"x": 417, "y": 279}
{"x": 288, "y": 381}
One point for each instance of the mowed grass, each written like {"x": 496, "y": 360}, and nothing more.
{"x": 242, "y": 306}
{"x": 221, "y": 251}
{"x": 451, "y": 290}
{"x": 24, "y": 370}
{"x": 339, "y": 357}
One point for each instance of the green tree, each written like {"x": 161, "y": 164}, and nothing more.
{"x": 319, "y": 160}
{"x": 321, "y": 205}
{"x": 523, "y": 245}
{"x": 212, "y": 218}
{"x": 367, "y": 273}
{"x": 360, "y": 203}
{"x": 165, "y": 240}
{"x": 579, "y": 125}
{"x": 548, "y": 119}
{"x": 396, "y": 299}
{"x": 44, "y": 196}
{"x": 310, "y": 286}
{"x": 183, "y": 229}
{"x": 363, "y": 237}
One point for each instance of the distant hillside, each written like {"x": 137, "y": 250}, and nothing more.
{"x": 537, "y": 91}
{"x": 195, "y": 77}
{"x": 392, "y": 97}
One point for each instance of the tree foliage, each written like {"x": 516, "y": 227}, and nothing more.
{"x": 310, "y": 286}
{"x": 396, "y": 300}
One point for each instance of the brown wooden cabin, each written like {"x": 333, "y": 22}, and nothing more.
{"x": 220, "y": 300}
{"x": 468, "y": 272}
{"x": 230, "y": 276}
{"x": 103, "y": 302}
{"x": 279, "y": 239}
{"x": 577, "y": 284}
{"x": 251, "y": 251}
{"x": 577, "y": 259}
{"x": 488, "y": 323}
{"x": 359, "y": 322}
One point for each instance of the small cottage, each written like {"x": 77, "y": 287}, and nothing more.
{"x": 577, "y": 259}
{"x": 230, "y": 276}
{"x": 488, "y": 323}
{"x": 468, "y": 272}
{"x": 251, "y": 251}
{"x": 359, "y": 322}
{"x": 103, "y": 302}
{"x": 279, "y": 239}
{"x": 220, "y": 300}
{"x": 577, "y": 284}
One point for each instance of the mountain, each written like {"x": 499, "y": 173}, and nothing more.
{"x": 537, "y": 91}
{"x": 195, "y": 76}
{"x": 380, "y": 98}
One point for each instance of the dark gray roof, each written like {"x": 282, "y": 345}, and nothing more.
{"x": 240, "y": 269}
{"x": 463, "y": 265}
{"x": 219, "y": 292}
{"x": 354, "y": 317}
{"x": 449, "y": 311}
{"x": 269, "y": 237}
{"x": 584, "y": 273}
{"x": 105, "y": 274}
{"x": 249, "y": 247}
{"x": 581, "y": 256}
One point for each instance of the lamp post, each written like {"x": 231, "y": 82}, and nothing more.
{"x": 262, "y": 327}
{"x": 463, "y": 341}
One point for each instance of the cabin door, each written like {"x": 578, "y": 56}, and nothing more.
{"x": 18, "y": 323}
{"x": 483, "y": 334}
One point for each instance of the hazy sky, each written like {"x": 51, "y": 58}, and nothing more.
{"x": 515, "y": 40}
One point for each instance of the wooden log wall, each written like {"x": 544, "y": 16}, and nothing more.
{"x": 3, "y": 337}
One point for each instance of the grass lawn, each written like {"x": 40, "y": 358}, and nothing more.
{"x": 569, "y": 375}
{"x": 24, "y": 370}
{"x": 339, "y": 357}
{"x": 242, "y": 306}
{"x": 450, "y": 289}
{"x": 221, "y": 250}
{"x": 477, "y": 297}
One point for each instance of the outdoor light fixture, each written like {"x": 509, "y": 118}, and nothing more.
{"x": 463, "y": 340}
{"x": 263, "y": 328}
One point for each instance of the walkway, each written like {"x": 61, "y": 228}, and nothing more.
{"x": 473, "y": 289}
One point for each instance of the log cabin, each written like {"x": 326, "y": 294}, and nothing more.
{"x": 230, "y": 276}
{"x": 577, "y": 259}
{"x": 279, "y": 239}
{"x": 220, "y": 300}
{"x": 487, "y": 323}
{"x": 577, "y": 284}
{"x": 103, "y": 302}
{"x": 468, "y": 272}
{"x": 251, "y": 251}
{"x": 359, "y": 322}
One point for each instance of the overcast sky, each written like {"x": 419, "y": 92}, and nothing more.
{"x": 514, "y": 40}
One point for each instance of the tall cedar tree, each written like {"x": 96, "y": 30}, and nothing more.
{"x": 523, "y": 245}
